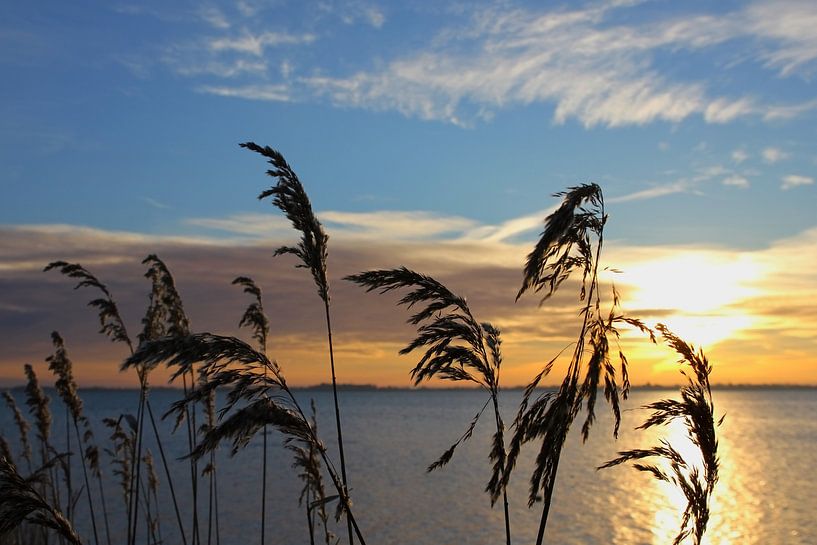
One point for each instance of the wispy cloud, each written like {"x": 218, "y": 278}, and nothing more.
{"x": 272, "y": 92}
{"x": 736, "y": 180}
{"x": 739, "y": 156}
{"x": 156, "y": 204}
{"x": 584, "y": 61}
{"x": 774, "y": 155}
{"x": 255, "y": 44}
{"x": 724, "y": 298}
{"x": 214, "y": 17}
{"x": 594, "y": 71}
{"x": 660, "y": 190}
{"x": 795, "y": 180}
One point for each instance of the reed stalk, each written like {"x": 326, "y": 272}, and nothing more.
{"x": 256, "y": 319}
{"x": 230, "y": 361}
{"x": 62, "y": 367}
{"x": 697, "y": 412}
{"x": 112, "y": 326}
{"x": 457, "y": 348}
{"x": 290, "y": 197}
{"x": 566, "y": 247}
{"x": 21, "y": 502}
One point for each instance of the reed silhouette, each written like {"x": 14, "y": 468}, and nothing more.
{"x": 259, "y": 396}
{"x": 566, "y": 247}
{"x": 161, "y": 308}
{"x": 290, "y": 197}
{"x": 697, "y": 412}
{"x": 458, "y": 348}
{"x": 256, "y": 319}
{"x": 454, "y": 346}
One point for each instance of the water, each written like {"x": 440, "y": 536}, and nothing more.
{"x": 766, "y": 493}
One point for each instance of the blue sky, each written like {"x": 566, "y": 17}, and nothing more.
{"x": 126, "y": 116}
{"x": 413, "y": 121}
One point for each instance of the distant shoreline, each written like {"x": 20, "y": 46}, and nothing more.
{"x": 375, "y": 388}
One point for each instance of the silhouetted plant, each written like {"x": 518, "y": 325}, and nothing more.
{"x": 255, "y": 319}
{"x": 259, "y": 395}
{"x": 313, "y": 495}
{"x": 22, "y": 426}
{"x": 20, "y": 502}
{"x": 457, "y": 348}
{"x": 162, "y": 295}
{"x": 62, "y": 367}
{"x": 566, "y": 247}
{"x": 697, "y": 412}
{"x": 290, "y": 197}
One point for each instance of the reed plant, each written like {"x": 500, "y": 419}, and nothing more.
{"x": 697, "y": 412}
{"x": 458, "y": 348}
{"x": 256, "y": 319}
{"x": 20, "y": 502}
{"x": 454, "y": 346}
{"x": 571, "y": 244}
{"x": 62, "y": 367}
{"x": 290, "y": 197}
{"x": 22, "y": 427}
{"x": 259, "y": 395}
{"x": 161, "y": 309}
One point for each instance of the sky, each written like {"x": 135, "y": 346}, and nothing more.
{"x": 427, "y": 134}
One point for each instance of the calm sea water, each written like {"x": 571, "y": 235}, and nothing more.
{"x": 767, "y": 491}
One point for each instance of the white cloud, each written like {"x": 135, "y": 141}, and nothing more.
{"x": 795, "y": 180}
{"x": 394, "y": 224}
{"x": 774, "y": 155}
{"x": 724, "y": 110}
{"x": 375, "y": 17}
{"x": 653, "y": 192}
{"x": 789, "y": 25}
{"x": 273, "y": 92}
{"x": 736, "y": 180}
{"x": 156, "y": 204}
{"x": 589, "y": 63}
{"x": 791, "y": 111}
{"x": 214, "y": 17}
{"x": 255, "y": 44}
{"x": 739, "y": 156}
{"x": 224, "y": 69}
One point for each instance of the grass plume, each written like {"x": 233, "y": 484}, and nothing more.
{"x": 256, "y": 319}
{"x": 22, "y": 427}
{"x": 259, "y": 395}
{"x": 62, "y": 367}
{"x": 456, "y": 348}
{"x": 571, "y": 243}
{"x": 697, "y": 412}
{"x": 289, "y": 196}
{"x": 20, "y": 502}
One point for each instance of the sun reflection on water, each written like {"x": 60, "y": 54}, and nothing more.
{"x": 734, "y": 513}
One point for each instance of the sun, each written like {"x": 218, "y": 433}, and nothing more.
{"x": 697, "y": 294}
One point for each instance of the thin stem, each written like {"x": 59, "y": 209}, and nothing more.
{"x": 137, "y": 461}
{"x": 500, "y": 426}
{"x": 330, "y": 467}
{"x": 337, "y": 417}
{"x": 215, "y": 485}
{"x": 68, "y": 511}
{"x": 210, "y": 504}
{"x": 104, "y": 508}
{"x": 264, "y": 483}
{"x": 193, "y": 468}
{"x": 87, "y": 483}
{"x": 577, "y": 357}
{"x": 309, "y": 522}
{"x": 167, "y": 471}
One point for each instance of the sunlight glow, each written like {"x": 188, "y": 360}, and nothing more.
{"x": 694, "y": 293}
